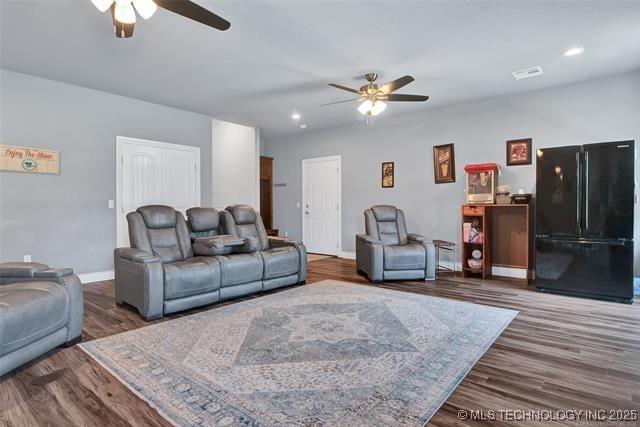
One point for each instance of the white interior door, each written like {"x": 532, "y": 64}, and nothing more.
{"x": 321, "y": 205}
{"x": 150, "y": 172}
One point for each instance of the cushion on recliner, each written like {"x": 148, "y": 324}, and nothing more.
{"x": 242, "y": 214}
{"x": 388, "y": 233}
{"x": 30, "y": 311}
{"x": 165, "y": 244}
{"x": 404, "y": 257}
{"x": 237, "y": 269}
{"x": 157, "y": 216}
{"x": 203, "y": 219}
{"x": 190, "y": 277}
{"x": 385, "y": 212}
{"x": 280, "y": 262}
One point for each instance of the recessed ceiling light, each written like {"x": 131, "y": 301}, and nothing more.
{"x": 574, "y": 51}
{"x": 295, "y": 116}
{"x": 303, "y": 125}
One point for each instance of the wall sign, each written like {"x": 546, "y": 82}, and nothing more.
{"x": 519, "y": 152}
{"x": 388, "y": 174}
{"x": 444, "y": 164}
{"x": 33, "y": 160}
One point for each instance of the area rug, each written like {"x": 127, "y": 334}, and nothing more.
{"x": 331, "y": 353}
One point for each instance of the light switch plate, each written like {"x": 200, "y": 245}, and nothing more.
{"x": 111, "y": 204}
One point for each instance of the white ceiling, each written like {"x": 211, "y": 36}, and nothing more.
{"x": 278, "y": 56}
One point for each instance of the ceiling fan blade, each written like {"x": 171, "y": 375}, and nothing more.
{"x": 348, "y": 89}
{"x": 401, "y": 97}
{"x": 123, "y": 31}
{"x": 396, "y": 84}
{"x": 340, "y": 102}
{"x": 193, "y": 11}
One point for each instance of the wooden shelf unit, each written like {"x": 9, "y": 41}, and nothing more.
{"x": 507, "y": 238}
{"x": 469, "y": 214}
{"x": 266, "y": 194}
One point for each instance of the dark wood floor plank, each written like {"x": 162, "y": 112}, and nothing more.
{"x": 559, "y": 352}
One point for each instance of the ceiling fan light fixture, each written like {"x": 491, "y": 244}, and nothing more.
{"x": 125, "y": 13}
{"x": 102, "y": 5}
{"x": 378, "y": 108}
{"x": 146, "y": 8}
{"x": 365, "y": 107}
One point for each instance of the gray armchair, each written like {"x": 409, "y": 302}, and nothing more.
{"x": 40, "y": 308}
{"x": 388, "y": 252}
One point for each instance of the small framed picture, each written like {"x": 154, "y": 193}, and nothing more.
{"x": 444, "y": 165}
{"x": 519, "y": 152}
{"x": 387, "y": 174}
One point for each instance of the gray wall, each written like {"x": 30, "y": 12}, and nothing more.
{"x": 593, "y": 111}
{"x": 63, "y": 220}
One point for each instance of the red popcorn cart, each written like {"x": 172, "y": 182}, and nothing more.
{"x": 482, "y": 180}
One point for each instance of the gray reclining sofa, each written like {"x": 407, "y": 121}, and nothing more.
{"x": 173, "y": 265}
{"x": 388, "y": 252}
{"x": 40, "y": 308}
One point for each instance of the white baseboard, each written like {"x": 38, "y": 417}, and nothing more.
{"x": 347, "y": 255}
{"x": 517, "y": 273}
{"x": 98, "y": 276}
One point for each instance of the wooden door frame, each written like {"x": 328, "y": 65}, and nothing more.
{"x": 120, "y": 142}
{"x": 305, "y": 162}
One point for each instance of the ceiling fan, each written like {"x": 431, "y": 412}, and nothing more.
{"x": 375, "y": 97}
{"x": 123, "y": 13}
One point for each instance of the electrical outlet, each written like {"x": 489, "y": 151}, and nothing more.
{"x": 26, "y": 258}
{"x": 111, "y": 204}
{"x": 286, "y": 234}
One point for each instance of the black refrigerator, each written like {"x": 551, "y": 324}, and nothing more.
{"x": 584, "y": 220}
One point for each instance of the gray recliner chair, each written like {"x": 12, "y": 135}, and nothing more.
{"x": 388, "y": 252}
{"x": 285, "y": 261}
{"x": 40, "y": 308}
{"x": 159, "y": 273}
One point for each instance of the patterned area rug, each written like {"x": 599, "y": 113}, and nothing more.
{"x": 332, "y": 353}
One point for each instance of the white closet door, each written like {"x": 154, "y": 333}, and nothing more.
{"x": 321, "y": 205}
{"x": 150, "y": 173}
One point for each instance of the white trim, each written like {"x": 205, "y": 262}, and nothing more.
{"x": 338, "y": 250}
{"x": 122, "y": 140}
{"x": 347, "y": 255}
{"x": 517, "y": 273}
{"x": 98, "y": 276}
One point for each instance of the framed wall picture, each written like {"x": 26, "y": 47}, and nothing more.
{"x": 444, "y": 165}
{"x": 519, "y": 152}
{"x": 387, "y": 174}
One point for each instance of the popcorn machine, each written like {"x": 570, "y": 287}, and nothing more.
{"x": 482, "y": 180}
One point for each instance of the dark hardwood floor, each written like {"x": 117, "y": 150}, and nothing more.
{"x": 559, "y": 352}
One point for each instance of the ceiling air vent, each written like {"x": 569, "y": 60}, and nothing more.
{"x": 527, "y": 72}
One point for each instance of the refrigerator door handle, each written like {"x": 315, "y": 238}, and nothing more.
{"x": 579, "y": 201}
{"x": 586, "y": 191}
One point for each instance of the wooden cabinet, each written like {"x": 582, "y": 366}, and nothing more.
{"x": 266, "y": 194}
{"x": 476, "y": 215}
{"x": 507, "y": 238}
